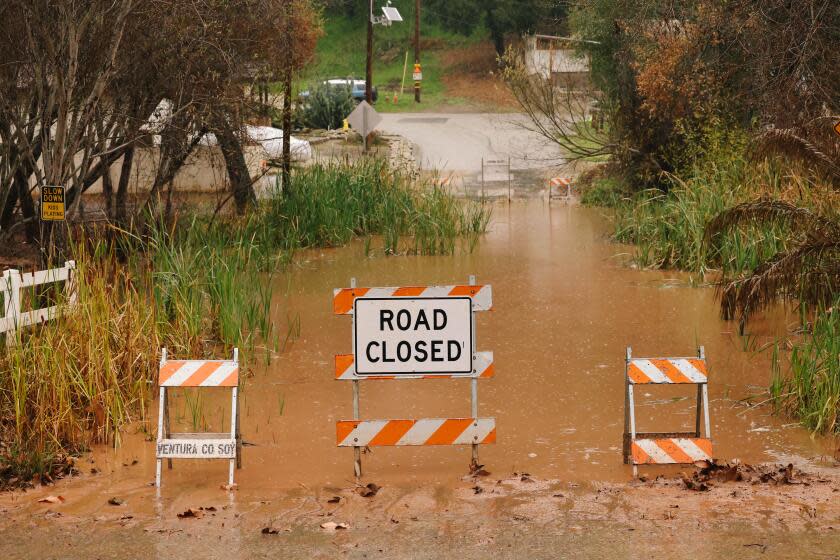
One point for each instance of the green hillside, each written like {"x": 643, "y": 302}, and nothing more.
{"x": 341, "y": 53}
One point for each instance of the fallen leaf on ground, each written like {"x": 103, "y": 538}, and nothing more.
{"x": 333, "y": 526}
{"x": 478, "y": 470}
{"x": 52, "y": 500}
{"x": 191, "y": 512}
{"x": 369, "y": 490}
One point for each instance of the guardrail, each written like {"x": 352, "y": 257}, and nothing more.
{"x": 12, "y": 285}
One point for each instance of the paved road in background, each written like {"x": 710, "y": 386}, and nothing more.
{"x": 458, "y": 142}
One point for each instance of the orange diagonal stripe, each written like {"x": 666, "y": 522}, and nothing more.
{"x": 391, "y": 433}
{"x": 168, "y": 370}
{"x": 636, "y": 374}
{"x": 705, "y": 444}
{"x": 409, "y": 291}
{"x": 639, "y": 455}
{"x": 203, "y": 372}
{"x": 231, "y": 380}
{"x": 670, "y": 371}
{"x": 673, "y": 450}
{"x": 464, "y": 290}
{"x": 489, "y": 372}
{"x": 449, "y": 431}
{"x": 343, "y": 429}
{"x": 700, "y": 365}
{"x": 491, "y": 437}
{"x": 343, "y": 301}
{"x": 342, "y": 363}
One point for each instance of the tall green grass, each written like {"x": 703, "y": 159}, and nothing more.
{"x": 809, "y": 387}
{"x": 668, "y": 231}
{"x": 328, "y": 205}
{"x": 199, "y": 286}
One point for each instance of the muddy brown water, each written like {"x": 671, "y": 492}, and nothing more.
{"x": 565, "y": 307}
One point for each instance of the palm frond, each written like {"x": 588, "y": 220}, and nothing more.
{"x": 793, "y": 143}
{"x": 766, "y": 210}
{"x": 809, "y": 272}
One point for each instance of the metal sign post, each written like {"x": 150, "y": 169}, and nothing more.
{"x": 364, "y": 119}
{"x": 414, "y": 332}
{"x": 662, "y": 448}
{"x": 199, "y": 445}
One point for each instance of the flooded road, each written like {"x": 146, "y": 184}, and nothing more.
{"x": 565, "y": 307}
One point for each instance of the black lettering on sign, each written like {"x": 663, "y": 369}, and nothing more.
{"x": 403, "y": 319}
{"x": 403, "y": 351}
{"x": 421, "y": 320}
{"x": 370, "y": 357}
{"x": 440, "y": 319}
{"x": 386, "y": 316}
{"x": 437, "y": 350}
{"x": 454, "y": 350}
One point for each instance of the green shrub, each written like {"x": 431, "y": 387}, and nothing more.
{"x": 326, "y": 107}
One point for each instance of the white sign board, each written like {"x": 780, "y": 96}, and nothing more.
{"x": 413, "y": 335}
{"x": 196, "y": 449}
{"x": 364, "y": 119}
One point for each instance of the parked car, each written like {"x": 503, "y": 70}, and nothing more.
{"x": 356, "y": 87}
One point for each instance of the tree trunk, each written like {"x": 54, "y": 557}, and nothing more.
{"x": 287, "y": 131}
{"x": 122, "y": 186}
{"x": 108, "y": 192}
{"x": 497, "y": 34}
{"x": 240, "y": 178}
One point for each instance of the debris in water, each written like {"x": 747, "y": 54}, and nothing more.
{"x": 228, "y": 487}
{"x": 116, "y": 501}
{"x": 333, "y": 526}
{"x": 270, "y": 531}
{"x": 477, "y": 489}
{"x": 334, "y": 500}
{"x": 191, "y": 513}
{"x": 52, "y": 500}
{"x": 368, "y": 491}
{"x": 478, "y": 470}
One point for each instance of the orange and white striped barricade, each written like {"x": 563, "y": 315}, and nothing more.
{"x": 664, "y": 448}
{"x": 222, "y": 374}
{"x": 560, "y": 188}
{"x": 413, "y": 332}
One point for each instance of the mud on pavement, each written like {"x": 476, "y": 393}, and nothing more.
{"x": 515, "y": 516}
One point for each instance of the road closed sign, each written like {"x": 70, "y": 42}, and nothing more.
{"x": 423, "y": 335}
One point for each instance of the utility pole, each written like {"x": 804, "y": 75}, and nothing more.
{"x": 369, "y": 65}
{"x": 417, "y": 46}
{"x": 287, "y": 107}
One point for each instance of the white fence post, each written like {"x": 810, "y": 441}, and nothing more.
{"x": 71, "y": 286}
{"x": 11, "y": 284}
{"x": 12, "y": 303}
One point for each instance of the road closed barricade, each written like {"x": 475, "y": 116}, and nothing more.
{"x": 664, "y": 448}
{"x": 200, "y": 374}
{"x": 559, "y": 188}
{"x": 413, "y": 332}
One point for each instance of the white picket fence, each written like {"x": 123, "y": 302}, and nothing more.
{"x": 12, "y": 285}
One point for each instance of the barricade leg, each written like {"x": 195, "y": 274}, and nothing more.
{"x": 632, "y": 424}
{"x": 234, "y": 422}
{"x": 160, "y": 433}
{"x": 357, "y": 451}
